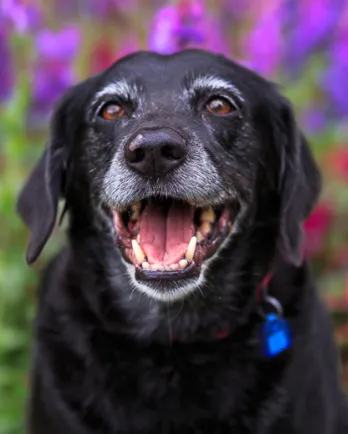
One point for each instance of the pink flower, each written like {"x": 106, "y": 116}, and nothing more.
{"x": 130, "y": 45}
{"x": 317, "y": 228}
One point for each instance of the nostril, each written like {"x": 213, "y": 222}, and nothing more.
{"x": 173, "y": 152}
{"x": 136, "y": 156}
{"x": 169, "y": 152}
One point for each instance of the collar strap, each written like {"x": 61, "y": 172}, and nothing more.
{"x": 260, "y": 293}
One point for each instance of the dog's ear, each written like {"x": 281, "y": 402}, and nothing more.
{"x": 299, "y": 185}
{"x": 38, "y": 201}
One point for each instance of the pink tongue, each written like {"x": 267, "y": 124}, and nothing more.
{"x": 165, "y": 234}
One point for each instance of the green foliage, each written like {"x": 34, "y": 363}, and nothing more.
{"x": 17, "y": 281}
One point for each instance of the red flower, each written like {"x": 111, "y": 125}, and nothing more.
{"x": 346, "y": 290}
{"x": 102, "y": 56}
{"x": 317, "y": 227}
{"x": 338, "y": 162}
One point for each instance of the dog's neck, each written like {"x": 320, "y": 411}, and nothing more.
{"x": 220, "y": 311}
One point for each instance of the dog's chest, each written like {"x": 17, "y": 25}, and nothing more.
{"x": 177, "y": 389}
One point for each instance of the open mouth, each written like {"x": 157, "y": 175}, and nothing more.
{"x": 170, "y": 239}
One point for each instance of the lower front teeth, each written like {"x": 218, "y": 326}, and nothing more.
{"x": 158, "y": 267}
{"x": 183, "y": 263}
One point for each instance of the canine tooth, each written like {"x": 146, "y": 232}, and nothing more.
{"x": 205, "y": 228}
{"x": 230, "y": 227}
{"x": 207, "y": 215}
{"x": 174, "y": 267}
{"x": 191, "y": 249}
{"x": 138, "y": 238}
{"x": 145, "y": 265}
{"x": 199, "y": 236}
{"x": 138, "y": 252}
{"x": 182, "y": 264}
{"x": 136, "y": 206}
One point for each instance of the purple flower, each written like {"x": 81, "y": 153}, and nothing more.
{"x": 314, "y": 119}
{"x": 23, "y": 14}
{"x": 165, "y": 26}
{"x": 335, "y": 79}
{"x": 51, "y": 80}
{"x": 6, "y": 70}
{"x": 62, "y": 45}
{"x": 311, "y": 25}
{"x": 54, "y": 72}
{"x": 264, "y": 45}
{"x": 185, "y": 25}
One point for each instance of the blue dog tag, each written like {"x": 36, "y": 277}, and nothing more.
{"x": 275, "y": 335}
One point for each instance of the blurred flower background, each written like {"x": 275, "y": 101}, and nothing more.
{"x": 47, "y": 45}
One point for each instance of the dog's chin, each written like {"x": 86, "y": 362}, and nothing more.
{"x": 168, "y": 243}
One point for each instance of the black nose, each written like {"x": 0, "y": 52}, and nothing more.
{"x": 154, "y": 153}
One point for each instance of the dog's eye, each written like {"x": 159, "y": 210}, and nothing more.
{"x": 220, "y": 106}
{"x": 111, "y": 111}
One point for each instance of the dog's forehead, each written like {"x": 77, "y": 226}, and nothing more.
{"x": 149, "y": 73}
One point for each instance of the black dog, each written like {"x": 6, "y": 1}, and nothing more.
{"x": 186, "y": 182}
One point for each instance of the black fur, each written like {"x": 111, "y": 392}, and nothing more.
{"x": 105, "y": 358}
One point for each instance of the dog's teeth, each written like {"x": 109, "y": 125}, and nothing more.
{"x": 145, "y": 265}
{"x": 174, "y": 267}
{"x": 205, "y": 228}
{"x": 199, "y": 236}
{"x": 157, "y": 267}
{"x": 167, "y": 268}
{"x": 230, "y": 227}
{"x": 139, "y": 254}
{"x": 136, "y": 206}
{"x": 138, "y": 238}
{"x": 183, "y": 263}
{"x": 208, "y": 215}
{"x": 191, "y": 249}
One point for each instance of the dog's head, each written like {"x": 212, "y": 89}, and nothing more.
{"x": 176, "y": 161}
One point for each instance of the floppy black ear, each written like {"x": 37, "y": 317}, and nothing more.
{"x": 300, "y": 185}
{"x": 38, "y": 201}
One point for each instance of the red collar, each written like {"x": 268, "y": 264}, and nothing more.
{"x": 259, "y": 296}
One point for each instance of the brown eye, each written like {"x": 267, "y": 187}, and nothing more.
{"x": 112, "y": 111}
{"x": 220, "y": 106}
